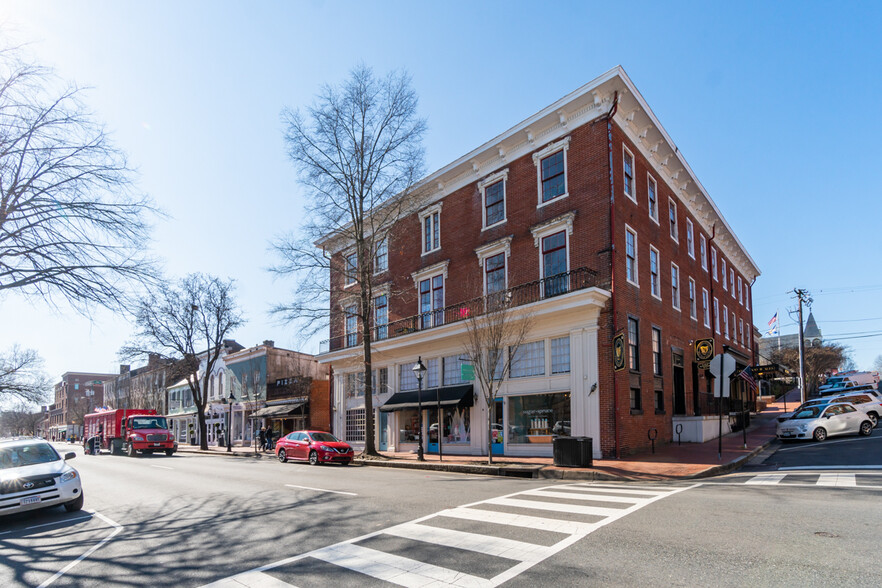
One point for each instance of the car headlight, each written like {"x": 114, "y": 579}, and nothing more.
{"x": 802, "y": 428}
{"x": 137, "y": 437}
{"x": 68, "y": 476}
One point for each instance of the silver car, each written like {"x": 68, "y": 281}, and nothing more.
{"x": 33, "y": 475}
{"x": 821, "y": 421}
{"x": 866, "y": 402}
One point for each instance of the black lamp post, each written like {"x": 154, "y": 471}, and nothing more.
{"x": 229, "y": 416}
{"x": 419, "y": 369}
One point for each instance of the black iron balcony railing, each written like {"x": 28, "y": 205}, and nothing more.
{"x": 545, "y": 288}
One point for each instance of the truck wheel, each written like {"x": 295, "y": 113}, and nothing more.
{"x": 130, "y": 450}
{"x": 169, "y": 452}
{"x": 116, "y": 447}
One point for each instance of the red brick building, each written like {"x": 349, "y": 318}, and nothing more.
{"x": 589, "y": 215}
{"x": 76, "y": 395}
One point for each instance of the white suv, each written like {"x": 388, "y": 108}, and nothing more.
{"x": 33, "y": 475}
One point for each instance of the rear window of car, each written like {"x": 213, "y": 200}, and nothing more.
{"x": 16, "y": 456}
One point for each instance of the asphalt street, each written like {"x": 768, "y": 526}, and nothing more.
{"x": 194, "y": 520}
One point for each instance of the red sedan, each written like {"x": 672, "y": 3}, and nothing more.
{"x": 313, "y": 446}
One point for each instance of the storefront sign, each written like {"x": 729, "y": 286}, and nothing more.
{"x": 466, "y": 372}
{"x": 619, "y": 352}
{"x": 704, "y": 350}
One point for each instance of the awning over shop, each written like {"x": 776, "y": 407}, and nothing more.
{"x": 279, "y": 411}
{"x": 450, "y": 396}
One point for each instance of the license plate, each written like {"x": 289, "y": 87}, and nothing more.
{"x": 787, "y": 434}
{"x": 30, "y": 500}
{"x": 157, "y": 444}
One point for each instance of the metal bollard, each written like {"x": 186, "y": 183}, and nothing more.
{"x": 652, "y": 434}
{"x": 679, "y": 430}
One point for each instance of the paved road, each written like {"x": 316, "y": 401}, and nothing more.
{"x": 198, "y": 520}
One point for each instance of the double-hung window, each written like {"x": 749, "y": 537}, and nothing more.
{"x": 725, "y": 321}
{"x": 675, "y": 286}
{"x": 381, "y": 316}
{"x": 672, "y": 216}
{"x": 653, "y": 197}
{"x": 381, "y": 257}
{"x": 714, "y": 264}
{"x": 741, "y": 331}
{"x": 494, "y": 203}
{"x": 432, "y": 302}
{"x": 631, "y": 255}
{"x": 746, "y": 298}
{"x": 351, "y": 325}
{"x": 716, "y": 315}
{"x": 654, "y": 281}
{"x": 740, "y": 292}
{"x": 723, "y": 273}
{"x": 431, "y": 224}
{"x": 351, "y": 268}
{"x": 554, "y": 264}
{"x": 494, "y": 270}
{"x": 706, "y": 307}
{"x": 693, "y": 314}
{"x": 628, "y": 173}
{"x": 656, "y": 351}
{"x": 732, "y": 282}
{"x": 690, "y": 239}
{"x": 703, "y": 251}
{"x": 633, "y": 344}
{"x": 554, "y": 181}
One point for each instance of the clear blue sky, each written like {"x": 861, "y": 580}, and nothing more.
{"x": 774, "y": 105}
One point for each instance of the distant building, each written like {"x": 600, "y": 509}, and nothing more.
{"x": 76, "y": 395}
{"x": 811, "y": 335}
{"x": 143, "y": 387}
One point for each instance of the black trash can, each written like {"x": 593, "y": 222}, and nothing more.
{"x": 573, "y": 452}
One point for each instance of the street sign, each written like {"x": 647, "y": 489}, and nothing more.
{"x": 722, "y": 366}
{"x": 767, "y": 372}
{"x": 704, "y": 349}
{"x": 466, "y": 372}
{"x": 619, "y": 352}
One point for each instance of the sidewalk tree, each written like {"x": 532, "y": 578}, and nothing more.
{"x": 22, "y": 377}
{"x": 72, "y": 226}
{"x": 187, "y": 321}
{"x": 358, "y": 153}
{"x": 20, "y": 419}
{"x": 819, "y": 359}
{"x": 495, "y": 330}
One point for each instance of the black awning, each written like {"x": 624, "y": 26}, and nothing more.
{"x": 449, "y": 395}
{"x": 279, "y": 410}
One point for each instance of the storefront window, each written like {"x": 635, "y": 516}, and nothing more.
{"x": 408, "y": 425}
{"x": 457, "y": 425}
{"x": 538, "y": 418}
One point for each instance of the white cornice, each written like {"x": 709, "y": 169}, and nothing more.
{"x": 432, "y": 270}
{"x": 497, "y": 246}
{"x": 552, "y": 226}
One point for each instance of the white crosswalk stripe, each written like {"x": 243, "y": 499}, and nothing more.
{"x": 836, "y": 480}
{"x": 766, "y": 479}
{"x": 519, "y": 555}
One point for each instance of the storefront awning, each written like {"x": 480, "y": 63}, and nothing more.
{"x": 279, "y": 411}
{"x": 449, "y": 395}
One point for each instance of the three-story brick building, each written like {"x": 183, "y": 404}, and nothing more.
{"x": 590, "y": 217}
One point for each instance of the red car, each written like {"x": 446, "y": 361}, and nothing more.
{"x": 313, "y": 446}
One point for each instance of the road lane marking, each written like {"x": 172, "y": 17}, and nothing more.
{"x": 836, "y": 480}
{"x": 57, "y": 523}
{"x": 833, "y": 467}
{"x": 584, "y": 496}
{"x": 766, "y": 479}
{"x": 161, "y": 467}
{"x": 409, "y": 572}
{"x": 556, "y": 507}
{"x": 321, "y": 490}
{"x": 117, "y": 528}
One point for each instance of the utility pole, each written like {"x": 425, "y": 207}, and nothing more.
{"x": 804, "y": 298}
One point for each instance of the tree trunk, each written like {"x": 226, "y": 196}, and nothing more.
{"x": 370, "y": 447}
{"x": 203, "y": 430}
{"x": 490, "y": 432}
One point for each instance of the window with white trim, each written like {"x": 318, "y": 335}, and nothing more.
{"x": 560, "y": 355}
{"x": 554, "y": 264}
{"x": 693, "y": 311}
{"x": 725, "y": 321}
{"x": 705, "y": 306}
{"x": 716, "y": 315}
{"x": 633, "y": 344}
{"x": 703, "y": 251}
{"x": 732, "y": 281}
{"x": 551, "y": 169}
{"x": 631, "y": 255}
{"x": 675, "y": 286}
{"x": 351, "y": 325}
{"x": 381, "y": 256}
{"x": 355, "y": 420}
{"x": 628, "y": 173}
{"x": 741, "y": 331}
{"x": 672, "y": 216}
{"x": 714, "y": 264}
{"x": 493, "y": 195}
{"x": 432, "y": 301}
{"x": 494, "y": 272}
{"x": 740, "y": 292}
{"x": 656, "y": 351}
{"x": 734, "y": 334}
{"x": 652, "y": 196}
{"x": 452, "y": 365}
{"x": 430, "y": 219}
{"x": 746, "y": 298}
{"x": 654, "y": 281}
{"x": 528, "y": 360}
{"x": 381, "y": 317}
{"x": 723, "y": 273}
{"x": 351, "y": 267}
{"x": 690, "y": 239}
{"x": 432, "y": 379}
{"x": 407, "y": 379}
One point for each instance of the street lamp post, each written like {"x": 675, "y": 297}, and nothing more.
{"x": 419, "y": 369}
{"x": 229, "y": 414}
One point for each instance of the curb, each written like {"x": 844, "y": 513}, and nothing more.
{"x": 220, "y": 453}
{"x": 731, "y": 466}
{"x": 516, "y": 471}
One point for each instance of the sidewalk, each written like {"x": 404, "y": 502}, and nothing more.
{"x": 686, "y": 461}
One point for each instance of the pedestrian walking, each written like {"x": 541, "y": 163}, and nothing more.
{"x": 269, "y": 439}
{"x": 261, "y": 436}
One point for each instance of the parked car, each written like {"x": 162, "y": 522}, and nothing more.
{"x": 33, "y": 475}
{"x": 821, "y": 421}
{"x": 806, "y": 404}
{"x": 313, "y": 446}
{"x": 866, "y": 402}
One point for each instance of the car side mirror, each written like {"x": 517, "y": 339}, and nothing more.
{"x": 69, "y": 455}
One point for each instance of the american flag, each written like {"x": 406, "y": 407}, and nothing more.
{"x": 747, "y": 375}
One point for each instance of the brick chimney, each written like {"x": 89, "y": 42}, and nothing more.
{"x": 269, "y": 343}
{"x": 124, "y": 368}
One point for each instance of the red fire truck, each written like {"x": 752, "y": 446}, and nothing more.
{"x": 130, "y": 431}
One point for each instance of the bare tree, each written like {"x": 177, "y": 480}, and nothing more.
{"x": 495, "y": 330}
{"x": 20, "y": 420}
{"x": 71, "y": 223}
{"x": 358, "y": 151}
{"x": 877, "y": 363}
{"x": 819, "y": 359}
{"x": 22, "y": 376}
{"x": 188, "y": 321}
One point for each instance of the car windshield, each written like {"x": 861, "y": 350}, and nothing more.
{"x": 810, "y": 412}
{"x": 327, "y": 437}
{"x": 25, "y": 455}
{"x": 833, "y": 381}
{"x": 149, "y": 423}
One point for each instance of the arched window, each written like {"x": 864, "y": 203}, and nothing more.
{"x": 220, "y": 384}
{"x": 211, "y": 387}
